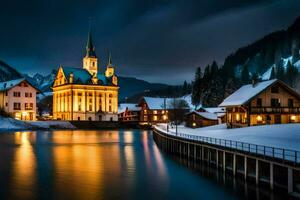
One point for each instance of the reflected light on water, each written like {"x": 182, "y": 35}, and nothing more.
{"x": 24, "y": 165}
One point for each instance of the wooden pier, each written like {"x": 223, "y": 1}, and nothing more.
{"x": 259, "y": 164}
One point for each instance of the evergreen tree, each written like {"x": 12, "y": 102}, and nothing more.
{"x": 295, "y": 51}
{"x": 230, "y": 87}
{"x": 280, "y": 71}
{"x": 184, "y": 88}
{"x": 197, "y": 88}
{"x": 245, "y": 79}
{"x": 272, "y": 75}
{"x": 291, "y": 74}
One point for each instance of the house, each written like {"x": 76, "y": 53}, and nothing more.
{"x": 85, "y": 93}
{"x": 219, "y": 111}
{"x": 129, "y": 112}
{"x": 18, "y": 98}
{"x": 267, "y": 102}
{"x": 197, "y": 119}
{"x": 161, "y": 110}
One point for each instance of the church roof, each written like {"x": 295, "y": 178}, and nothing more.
{"x": 82, "y": 76}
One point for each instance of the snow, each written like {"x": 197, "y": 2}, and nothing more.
{"x": 267, "y": 75}
{"x": 129, "y": 106}
{"x": 245, "y": 93}
{"x": 280, "y": 136}
{"x": 286, "y": 61}
{"x": 206, "y": 115}
{"x": 12, "y": 124}
{"x": 10, "y": 84}
{"x": 188, "y": 100}
{"x": 156, "y": 103}
{"x": 215, "y": 110}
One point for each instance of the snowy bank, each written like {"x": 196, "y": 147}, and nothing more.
{"x": 13, "y": 124}
{"x": 280, "y": 136}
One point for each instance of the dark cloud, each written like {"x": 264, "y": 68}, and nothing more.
{"x": 158, "y": 40}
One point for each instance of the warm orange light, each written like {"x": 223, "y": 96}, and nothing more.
{"x": 155, "y": 118}
{"x": 237, "y": 117}
{"x": 293, "y": 118}
{"x": 165, "y": 117}
{"x": 259, "y": 118}
{"x": 154, "y": 111}
{"x": 194, "y": 124}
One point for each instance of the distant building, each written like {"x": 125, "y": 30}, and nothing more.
{"x": 219, "y": 111}
{"x": 129, "y": 112}
{"x": 161, "y": 110}
{"x": 18, "y": 97}
{"x": 84, "y": 93}
{"x": 197, "y": 119}
{"x": 267, "y": 102}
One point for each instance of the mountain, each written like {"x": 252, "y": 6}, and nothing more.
{"x": 7, "y": 72}
{"x": 277, "y": 55}
{"x": 128, "y": 86}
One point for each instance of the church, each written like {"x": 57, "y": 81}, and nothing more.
{"x": 85, "y": 94}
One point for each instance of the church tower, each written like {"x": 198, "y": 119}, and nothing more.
{"x": 110, "y": 71}
{"x": 90, "y": 61}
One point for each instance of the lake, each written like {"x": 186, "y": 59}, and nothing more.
{"x": 118, "y": 164}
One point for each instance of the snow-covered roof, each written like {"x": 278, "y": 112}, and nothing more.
{"x": 10, "y": 84}
{"x": 206, "y": 115}
{"x": 246, "y": 93}
{"x": 129, "y": 106}
{"x": 157, "y": 103}
{"x": 215, "y": 109}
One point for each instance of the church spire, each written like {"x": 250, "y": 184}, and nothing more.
{"x": 90, "y": 61}
{"x": 90, "y": 49}
{"x": 109, "y": 64}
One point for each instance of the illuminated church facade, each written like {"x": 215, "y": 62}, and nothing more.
{"x": 85, "y": 94}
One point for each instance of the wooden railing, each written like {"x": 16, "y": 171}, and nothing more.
{"x": 275, "y": 110}
{"x": 280, "y": 154}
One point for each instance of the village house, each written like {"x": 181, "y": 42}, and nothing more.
{"x": 205, "y": 117}
{"x": 197, "y": 119}
{"x": 18, "y": 98}
{"x": 160, "y": 110}
{"x": 129, "y": 112}
{"x": 267, "y": 102}
{"x": 84, "y": 93}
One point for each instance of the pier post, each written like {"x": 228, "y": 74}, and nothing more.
{"x": 202, "y": 154}
{"x": 188, "y": 150}
{"x": 234, "y": 164}
{"x": 217, "y": 158}
{"x": 195, "y": 153}
{"x": 271, "y": 176}
{"x": 290, "y": 180}
{"x": 256, "y": 172}
{"x": 224, "y": 161}
{"x": 245, "y": 167}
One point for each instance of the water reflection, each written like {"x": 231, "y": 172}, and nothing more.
{"x": 98, "y": 165}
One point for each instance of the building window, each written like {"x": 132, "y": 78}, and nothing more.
{"x": 90, "y": 100}
{"x": 6, "y": 104}
{"x": 90, "y": 107}
{"x": 17, "y": 106}
{"x": 109, "y": 108}
{"x": 259, "y": 102}
{"x": 275, "y": 102}
{"x": 79, "y": 94}
{"x": 290, "y": 103}
{"x": 17, "y": 94}
{"x": 109, "y": 101}
{"x": 79, "y": 107}
{"x": 28, "y": 106}
{"x": 154, "y": 111}
{"x": 28, "y": 94}
{"x": 110, "y": 95}
{"x": 155, "y": 118}
{"x": 275, "y": 89}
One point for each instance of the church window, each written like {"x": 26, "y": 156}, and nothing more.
{"x": 90, "y": 107}
{"x": 109, "y": 108}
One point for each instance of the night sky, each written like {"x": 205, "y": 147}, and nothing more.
{"x": 159, "y": 41}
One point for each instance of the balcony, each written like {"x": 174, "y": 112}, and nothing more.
{"x": 275, "y": 110}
